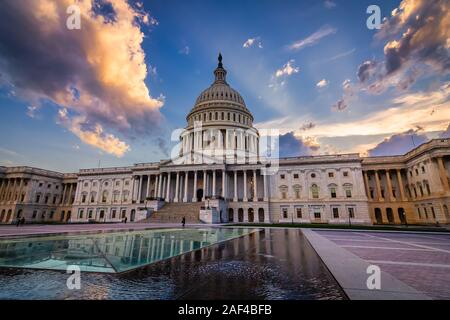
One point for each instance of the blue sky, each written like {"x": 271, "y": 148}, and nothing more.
{"x": 181, "y": 45}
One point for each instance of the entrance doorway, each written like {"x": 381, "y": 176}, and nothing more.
{"x": 133, "y": 213}
{"x": 199, "y": 195}
{"x": 378, "y": 217}
{"x": 402, "y": 215}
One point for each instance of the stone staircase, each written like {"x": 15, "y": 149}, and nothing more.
{"x": 173, "y": 212}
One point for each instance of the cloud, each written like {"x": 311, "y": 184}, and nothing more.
{"x": 322, "y": 83}
{"x": 399, "y": 144}
{"x": 292, "y": 146}
{"x": 341, "y": 55}
{"x": 313, "y": 38}
{"x": 97, "y": 73}
{"x": 287, "y": 69}
{"x": 416, "y": 37}
{"x": 307, "y": 126}
{"x": 253, "y": 42}
{"x": 427, "y": 109}
{"x": 329, "y": 4}
{"x": 446, "y": 133}
{"x": 348, "y": 95}
{"x": 185, "y": 50}
{"x": 92, "y": 134}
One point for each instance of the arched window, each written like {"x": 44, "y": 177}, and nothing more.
{"x": 104, "y": 196}
{"x": 93, "y": 195}
{"x": 314, "y": 191}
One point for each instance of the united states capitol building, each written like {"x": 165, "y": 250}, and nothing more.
{"x": 223, "y": 172}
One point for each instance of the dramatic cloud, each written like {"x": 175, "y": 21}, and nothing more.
{"x": 92, "y": 136}
{"x": 287, "y": 70}
{"x": 292, "y": 146}
{"x": 313, "y": 38}
{"x": 253, "y": 42}
{"x": 417, "y": 43}
{"x": 399, "y": 143}
{"x": 97, "y": 73}
{"x": 322, "y": 83}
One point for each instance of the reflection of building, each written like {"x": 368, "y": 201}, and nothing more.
{"x": 220, "y": 172}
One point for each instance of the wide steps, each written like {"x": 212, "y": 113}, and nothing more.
{"x": 173, "y": 212}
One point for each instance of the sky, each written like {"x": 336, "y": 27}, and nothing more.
{"x": 112, "y": 92}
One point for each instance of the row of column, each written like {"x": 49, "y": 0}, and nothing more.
{"x": 387, "y": 173}
{"x": 162, "y": 185}
{"x": 11, "y": 187}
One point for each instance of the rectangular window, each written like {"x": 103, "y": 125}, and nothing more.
{"x": 299, "y": 213}
{"x": 433, "y": 213}
{"x": 81, "y": 214}
{"x": 335, "y": 213}
{"x": 295, "y": 175}
{"x": 282, "y": 176}
{"x": 317, "y": 214}
{"x": 351, "y": 213}
{"x": 34, "y": 214}
{"x": 348, "y": 193}
{"x": 330, "y": 175}
{"x": 285, "y": 213}
{"x": 345, "y": 173}
{"x": 333, "y": 192}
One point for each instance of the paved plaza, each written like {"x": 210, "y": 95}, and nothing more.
{"x": 419, "y": 260}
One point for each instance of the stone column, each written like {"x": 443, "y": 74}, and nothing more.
{"x": 245, "y": 199}
{"x": 70, "y": 193}
{"x": 235, "y": 198}
{"x": 177, "y": 187}
{"x": 194, "y": 192}
{"x": 139, "y": 190}
{"x": 400, "y": 185}
{"x": 266, "y": 198}
{"x": 147, "y": 192}
{"x": 366, "y": 182}
{"x": 155, "y": 192}
{"x": 186, "y": 178}
{"x": 223, "y": 184}
{"x": 169, "y": 176}
{"x": 204, "y": 185}
{"x": 159, "y": 185}
{"x": 389, "y": 186}
{"x": 214, "y": 184}
{"x": 377, "y": 181}
{"x": 63, "y": 199}
{"x": 443, "y": 174}
{"x": 255, "y": 187}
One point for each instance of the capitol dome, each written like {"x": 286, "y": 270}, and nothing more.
{"x": 219, "y": 124}
{"x": 220, "y": 103}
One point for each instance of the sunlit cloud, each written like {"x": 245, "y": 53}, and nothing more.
{"x": 253, "y": 42}
{"x": 97, "y": 73}
{"x": 287, "y": 69}
{"x": 322, "y": 83}
{"x": 185, "y": 50}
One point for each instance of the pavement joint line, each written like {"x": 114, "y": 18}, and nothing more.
{"x": 417, "y": 264}
{"x": 409, "y": 243}
{"x": 350, "y": 271}
{"x": 387, "y": 248}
